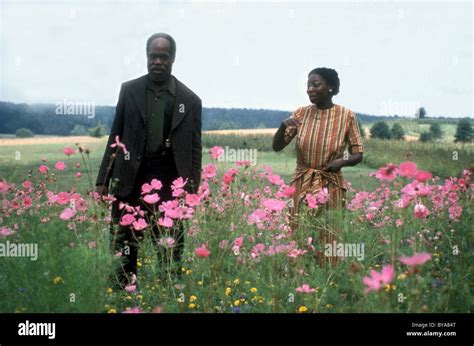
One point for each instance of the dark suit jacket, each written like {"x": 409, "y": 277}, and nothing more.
{"x": 130, "y": 125}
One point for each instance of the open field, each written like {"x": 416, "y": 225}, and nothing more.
{"x": 239, "y": 255}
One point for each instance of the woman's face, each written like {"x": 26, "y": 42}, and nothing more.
{"x": 318, "y": 90}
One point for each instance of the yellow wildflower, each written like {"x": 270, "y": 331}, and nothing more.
{"x": 58, "y": 280}
{"x": 303, "y": 309}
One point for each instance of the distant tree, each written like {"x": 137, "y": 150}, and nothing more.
{"x": 98, "y": 131}
{"x": 464, "y": 132}
{"x": 397, "y": 132}
{"x": 380, "y": 130}
{"x": 361, "y": 128}
{"x": 421, "y": 113}
{"x": 435, "y": 131}
{"x": 24, "y": 133}
{"x": 79, "y": 130}
{"x": 425, "y": 137}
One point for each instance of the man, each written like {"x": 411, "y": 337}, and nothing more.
{"x": 158, "y": 119}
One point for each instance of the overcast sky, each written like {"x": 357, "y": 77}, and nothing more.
{"x": 391, "y": 56}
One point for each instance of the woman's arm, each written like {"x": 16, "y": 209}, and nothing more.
{"x": 279, "y": 142}
{"x": 337, "y": 164}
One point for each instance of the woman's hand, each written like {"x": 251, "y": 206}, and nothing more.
{"x": 334, "y": 166}
{"x": 291, "y": 122}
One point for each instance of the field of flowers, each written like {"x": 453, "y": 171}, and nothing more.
{"x": 411, "y": 234}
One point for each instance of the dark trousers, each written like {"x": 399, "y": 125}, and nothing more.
{"x": 125, "y": 239}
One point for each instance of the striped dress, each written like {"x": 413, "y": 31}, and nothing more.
{"x": 322, "y": 136}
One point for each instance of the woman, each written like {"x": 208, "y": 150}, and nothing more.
{"x": 323, "y": 130}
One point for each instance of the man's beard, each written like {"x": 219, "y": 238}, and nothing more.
{"x": 162, "y": 78}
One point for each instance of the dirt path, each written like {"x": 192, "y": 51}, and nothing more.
{"x": 48, "y": 140}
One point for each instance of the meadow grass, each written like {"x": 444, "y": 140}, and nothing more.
{"x": 74, "y": 265}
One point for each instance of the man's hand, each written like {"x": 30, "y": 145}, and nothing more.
{"x": 102, "y": 190}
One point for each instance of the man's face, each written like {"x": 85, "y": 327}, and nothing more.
{"x": 159, "y": 60}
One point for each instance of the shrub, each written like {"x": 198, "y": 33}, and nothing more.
{"x": 24, "y": 133}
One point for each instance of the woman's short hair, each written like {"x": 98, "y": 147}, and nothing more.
{"x": 330, "y": 76}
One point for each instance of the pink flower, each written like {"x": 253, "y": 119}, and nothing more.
{"x": 146, "y": 188}
{"x": 119, "y": 144}
{"x": 178, "y": 183}
{"x": 275, "y": 179}
{"x": 132, "y": 286}
{"x": 43, "y": 169}
{"x": 209, "y": 171}
{"x": 5, "y": 231}
{"x": 156, "y": 184}
{"x": 140, "y": 224}
{"x": 216, "y": 152}
{"x": 135, "y": 310}
{"x": 377, "y": 280}
{"x": 455, "y": 212}
{"x": 422, "y": 176}
{"x": 289, "y": 191}
{"x": 407, "y": 169}
{"x": 78, "y": 175}
{"x": 202, "y": 251}
{"x": 165, "y": 221}
{"x": 421, "y": 211}
{"x": 167, "y": 242}
{"x": 387, "y": 173}
{"x": 192, "y": 200}
{"x": 311, "y": 200}
{"x": 323, "y": 195}
{"x": 63, "y": 198}
{"x": 229, "y": 176}
{"x": 60, "y": 165}
{"x": 27, "y": 184}
{"x": 238, "y": 241}
{"x": 416, "y": 259}
{"x": 305, "y": 288}
{"x": 151, "y": 199}
{"x": 3, "y": 186}
{"x": 127, "y": 220}
{"x": 274, "y": 204}
{"x": 68, "y": 151}
{"x": 67, "y": 214}
{"x": 27, "y": 202}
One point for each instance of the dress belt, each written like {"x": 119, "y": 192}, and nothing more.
{"x": 313, "y": 178}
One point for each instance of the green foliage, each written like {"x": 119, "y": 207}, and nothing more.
{"x": 435, "y": 131}
{"x": 79, "y": 130}
{"x": 361, "y": 129}
{"x": 421, "y": 113}
{"x": 380, "y": 130}
{"x": 397, "y": 132}
{"x": 426, "y": 137}
{"x": 24, "y": 133}
{"x": 98, "y": 131}
{"x": 464, "y": 132}
{"x": 436, "y": 157}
